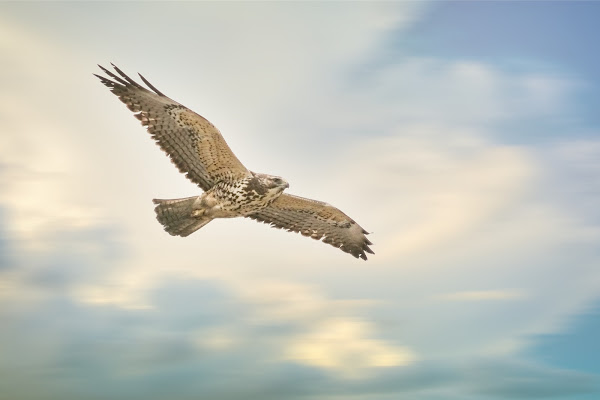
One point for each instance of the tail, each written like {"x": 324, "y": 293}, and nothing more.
{"x": 176, "y": 216}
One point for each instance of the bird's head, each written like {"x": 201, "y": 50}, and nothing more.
{"x": 275, "y": 183}
{"x": 267, "y": 185}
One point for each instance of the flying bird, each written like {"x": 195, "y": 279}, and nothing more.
{"x": 198, "y": 150}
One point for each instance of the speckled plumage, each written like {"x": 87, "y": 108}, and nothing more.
{"x": 198, "y": 150}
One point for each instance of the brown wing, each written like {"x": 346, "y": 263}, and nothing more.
{"x": 194, "y": 145}
{"x": 317, "y": 220}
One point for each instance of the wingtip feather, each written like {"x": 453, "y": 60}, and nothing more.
{"x": 151, "y": 86}
{"x": 126, "y": 77}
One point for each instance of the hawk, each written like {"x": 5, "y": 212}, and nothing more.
{"x": 199, "y": 151}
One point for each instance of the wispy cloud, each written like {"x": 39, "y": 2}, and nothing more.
{"x": 477, "y": 295}
{"x": 344, "y": 345}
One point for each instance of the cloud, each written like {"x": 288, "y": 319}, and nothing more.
{"x": 476, "y": 295}
{"x": 192, "y": 342}
{"x": 440, "y": 185}
{"x": 343, "y": 345}
{"x": 324, "y": 334}
{"x": 572, "y": 179}
{"x": 514, "y": 380}
{"x": 190, "y": 335}
{"x": 456, "y": 94}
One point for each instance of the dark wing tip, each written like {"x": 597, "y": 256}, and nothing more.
{"x": 359, "y": 250}
{"x": 158, "y": 92}
{"x": 365, "y": 245}
{"x": 125, "y": 80}
{"x": 113, "y": 76}
{"x": 362, "y": 254}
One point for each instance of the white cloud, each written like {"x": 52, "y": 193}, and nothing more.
{"x": 345, "y": 346}
{"x": 124, "y": 293}
{"x": 477, "y": 295}
{"x": 432, "y": 186}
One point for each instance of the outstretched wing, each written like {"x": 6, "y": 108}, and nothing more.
{"x": 194, "y": 145}
{"x": 317, "y": 220}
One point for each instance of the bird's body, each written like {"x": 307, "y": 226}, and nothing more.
{"x": 227, "y": 199}
{"x": 198, "y": 149}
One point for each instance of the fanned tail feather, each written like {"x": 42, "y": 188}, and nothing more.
{"x": 176, "y": 216}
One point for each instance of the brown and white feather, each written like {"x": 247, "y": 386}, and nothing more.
{"x": 192, "y": 143}
{"x": 317, "y": 220}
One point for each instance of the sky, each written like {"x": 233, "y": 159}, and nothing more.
{"x": 463, "y": 135}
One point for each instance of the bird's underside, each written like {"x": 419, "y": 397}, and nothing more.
{"x": 198, "y": 150}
